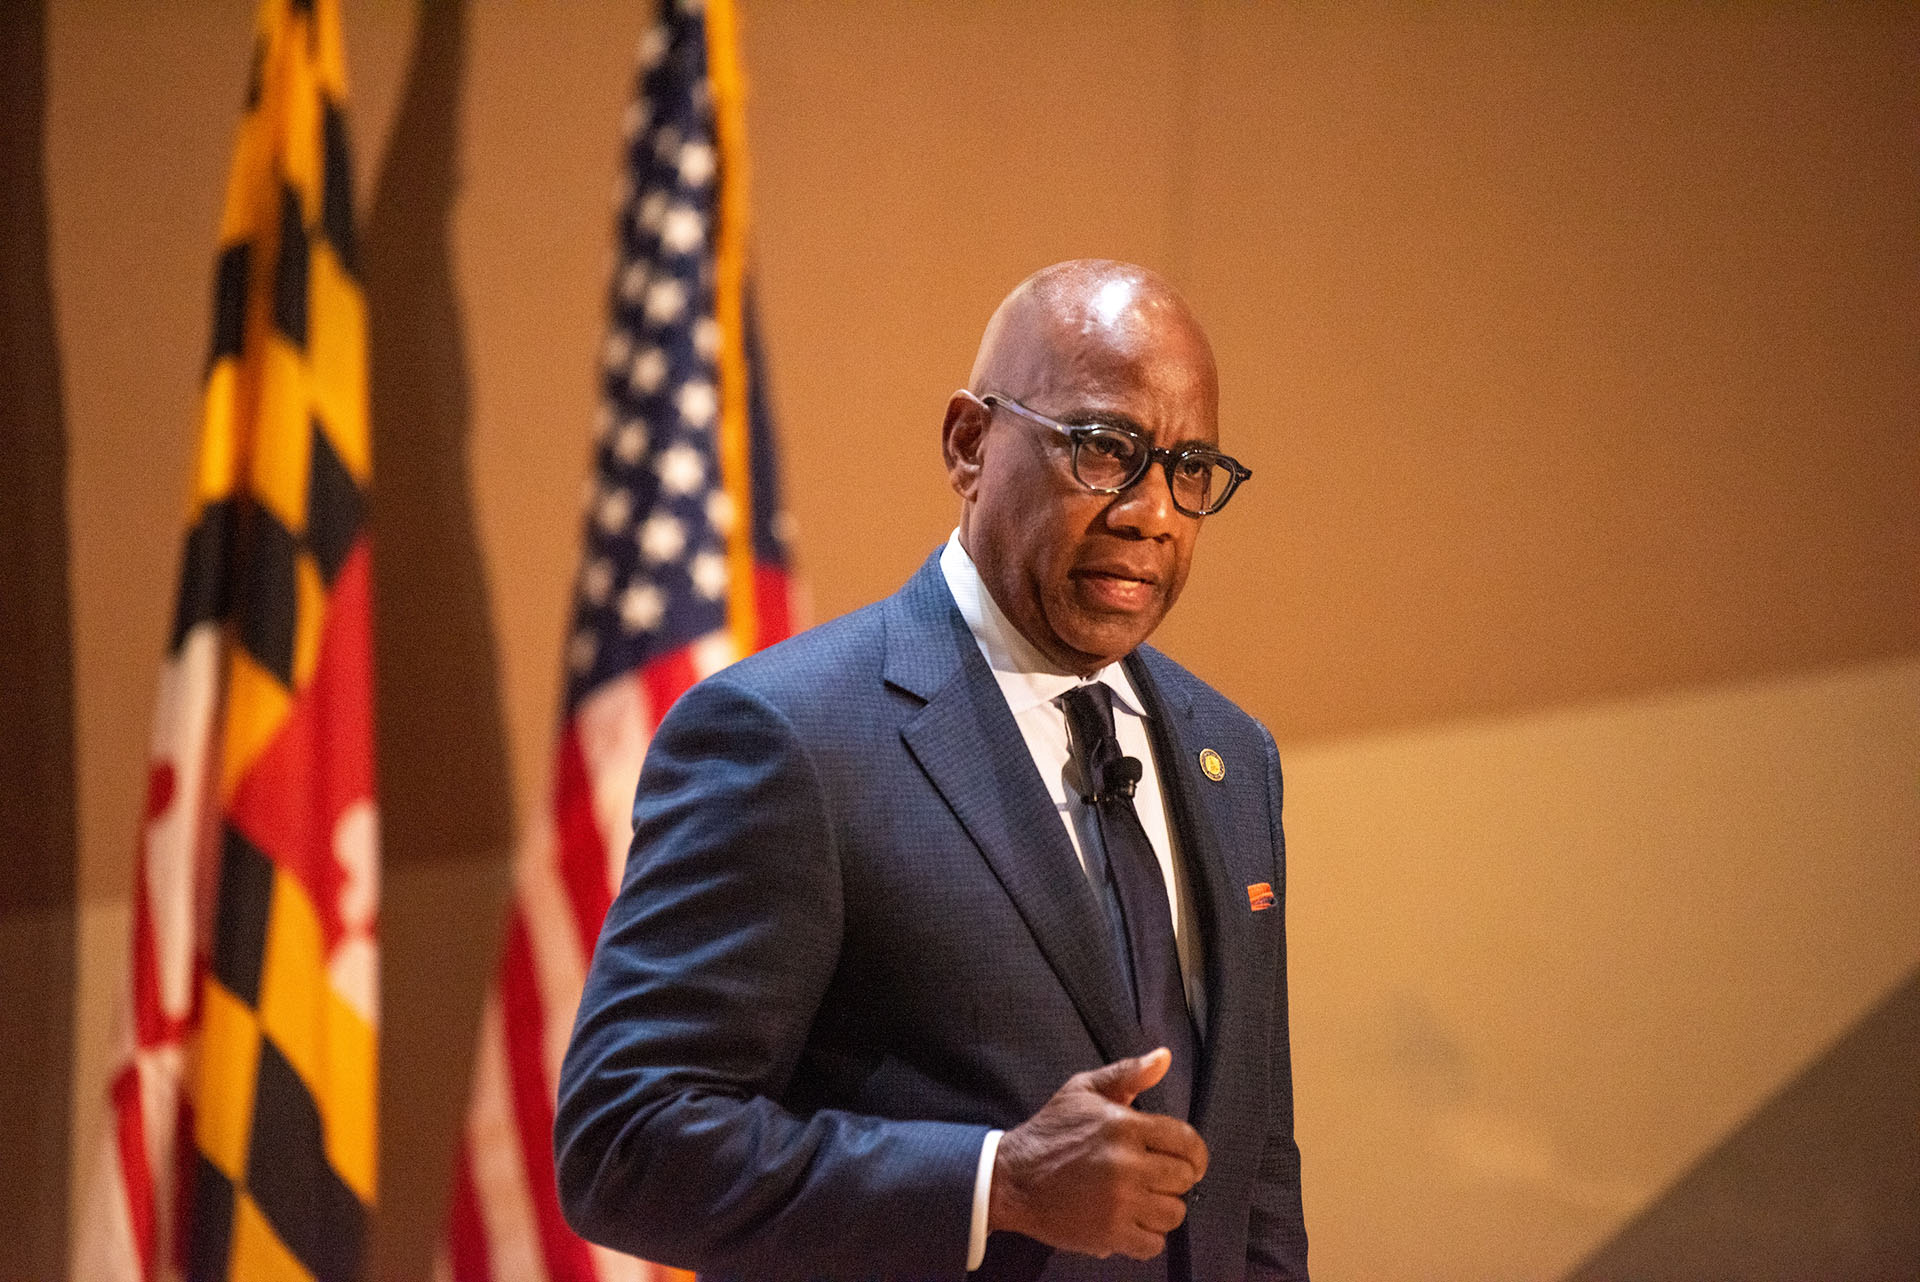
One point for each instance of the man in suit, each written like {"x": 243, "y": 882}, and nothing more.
{"x": 952, "y": 936}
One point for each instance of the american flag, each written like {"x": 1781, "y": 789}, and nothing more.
{"x": 683, "y": 570}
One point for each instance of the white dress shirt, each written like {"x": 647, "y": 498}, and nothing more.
{"x": 1032, "y": 687}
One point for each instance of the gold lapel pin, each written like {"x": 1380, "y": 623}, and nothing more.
{"x": 1211, "y": 765}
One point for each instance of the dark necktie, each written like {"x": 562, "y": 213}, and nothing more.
{"x": 1107, "y": 779}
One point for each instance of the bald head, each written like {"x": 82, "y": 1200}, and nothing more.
{"x": 1084, "y": 574}
{"x": 1089, "y": 310}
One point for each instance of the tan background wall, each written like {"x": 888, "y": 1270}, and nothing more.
{"x": 1575, "y": 350}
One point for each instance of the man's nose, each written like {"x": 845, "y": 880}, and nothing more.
{"x": 1145, "y": 508}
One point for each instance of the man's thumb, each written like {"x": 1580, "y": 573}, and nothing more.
{"x": 1123, "y": 1079}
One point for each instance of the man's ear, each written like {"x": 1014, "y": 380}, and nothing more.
{"x": 963, "y": 441}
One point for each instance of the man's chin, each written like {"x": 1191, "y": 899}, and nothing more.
{"x": 1109, "y": 641}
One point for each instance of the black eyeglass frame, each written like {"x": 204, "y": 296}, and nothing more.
{"x": 1078, "y": 433}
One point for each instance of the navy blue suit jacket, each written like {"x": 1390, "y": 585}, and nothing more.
{"x": 853, "y": 935}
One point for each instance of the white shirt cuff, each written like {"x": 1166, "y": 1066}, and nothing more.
{"x": 982, "y": 1196}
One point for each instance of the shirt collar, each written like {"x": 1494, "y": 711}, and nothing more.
{"x": 1025, "y": 676}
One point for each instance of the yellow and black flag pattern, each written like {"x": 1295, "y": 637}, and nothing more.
{"x": 245, "y": 1135}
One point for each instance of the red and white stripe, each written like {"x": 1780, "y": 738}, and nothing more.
{"x": 505, "y": 1222}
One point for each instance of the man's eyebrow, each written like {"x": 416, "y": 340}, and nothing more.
{"x": 1105, "y": 418}
{"x": 1114, "y": 418}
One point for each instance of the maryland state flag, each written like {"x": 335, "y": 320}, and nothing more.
{"x": 243, "y": 1110}
{"x": 683, "y": 569}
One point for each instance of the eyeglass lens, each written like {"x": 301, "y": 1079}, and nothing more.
{"x": 1108, "y": 460}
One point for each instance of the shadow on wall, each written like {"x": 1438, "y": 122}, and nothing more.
{"x": 446, "y": 807}
{"x": 1822, "y": 1182}
{"x": 38, "y": 850}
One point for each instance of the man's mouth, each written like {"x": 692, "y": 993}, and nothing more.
{"x": 1117, "y": 587}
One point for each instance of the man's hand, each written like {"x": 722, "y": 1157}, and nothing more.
{"x": 1087, "y": 1173}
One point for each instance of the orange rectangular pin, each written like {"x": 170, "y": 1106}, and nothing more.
{"x": 1260, "y": 896}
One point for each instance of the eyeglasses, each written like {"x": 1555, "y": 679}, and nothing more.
{"x": 1107, "y": 460}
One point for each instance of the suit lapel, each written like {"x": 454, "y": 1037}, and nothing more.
{"x": 1199, "y": 812}
{"x": 970, "y": 747}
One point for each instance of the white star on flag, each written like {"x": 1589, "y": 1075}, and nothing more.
{"x": 697, "y": 404}
{"x": 616, "y": 506}
{"x": 706, "y": 337}
{"x": 641, "y": 607}
{"x": 633, "y": 283}
{"x": 683, "y": 231}
{"x": 662, "y": 538}
{"x": 631, "y": 442}
{"x": 653, "y": 208}
{"x": 596, "y": 581}
{"x": 709, "y": 574}
{"x": 649, "y": 371}
{"x": 696, "y": 164}
{"x": 666, "y": 299}
{"x": 618, "y": 350}
{"x": 682, "y": 470}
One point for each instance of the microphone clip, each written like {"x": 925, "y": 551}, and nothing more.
{"x": 1115, "y": 779}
